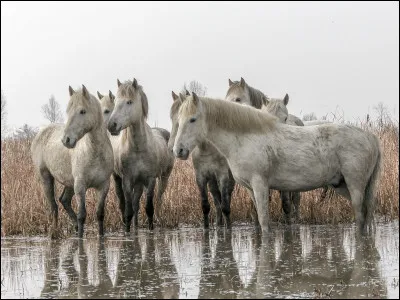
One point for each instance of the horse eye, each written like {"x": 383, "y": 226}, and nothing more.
{"x": 106, "y": 111}
{"x": 83, "y": 112}
{"x": 129, "y": 102}
{"x": 237, "y": 99}
{"x": 192, "y": 120}
{"x": 285, "y": 119}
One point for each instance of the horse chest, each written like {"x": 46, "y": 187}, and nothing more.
{"x": 139, "y": 164}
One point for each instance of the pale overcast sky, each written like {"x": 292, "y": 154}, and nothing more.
{"x": 329, "y": 57}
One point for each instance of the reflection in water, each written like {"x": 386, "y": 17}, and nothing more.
{"x": 294, "y": 261}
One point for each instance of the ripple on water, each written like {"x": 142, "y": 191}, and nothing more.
{"x": 292, "y": 262}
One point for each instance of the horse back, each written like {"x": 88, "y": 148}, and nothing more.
{"x": 48, "y": 153}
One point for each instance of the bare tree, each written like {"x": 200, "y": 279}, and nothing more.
{"x": 310, "y": 117}
{"x": 382, "y": 112}
{"x": 52, "y": 111}
{"x": 195, "y": 86}
{"x": 25, "y": 132}
{"x": 3, "y": 114}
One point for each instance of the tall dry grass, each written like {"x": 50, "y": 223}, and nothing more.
{"x": 24, "y": 209}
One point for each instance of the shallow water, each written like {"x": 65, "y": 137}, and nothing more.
{"x": 293, "y": 262}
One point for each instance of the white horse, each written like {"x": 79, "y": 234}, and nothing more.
{"x": 263, "y": 153}
{"x": 141, "y": 154}
{"x": 78, "y": 155}
{"x": 242, "y": 93}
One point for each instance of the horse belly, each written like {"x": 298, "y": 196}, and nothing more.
{"x": 63, "y": 174}
{"x": 302, "y": 181}
{"x": 58, "y": 163}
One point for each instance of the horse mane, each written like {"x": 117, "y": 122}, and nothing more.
{"x": 126, "y": 90}
{"x": 229, "y": 115}
{"x": 78, "y": 100}
{"x": 257, "y": 98}
{"x": 175, "y": 108}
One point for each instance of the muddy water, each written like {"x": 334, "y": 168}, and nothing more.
{"x": 298, "y": 261}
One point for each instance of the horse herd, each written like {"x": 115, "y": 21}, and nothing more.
{"x": 249, "y": 139}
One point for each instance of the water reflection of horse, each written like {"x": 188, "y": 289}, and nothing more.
{"x": 325, "y": 269}
{"x": 147, "y": 276}
{"x": 221, "y": 277}
{"x": 136, "y": 275}
{"x": 78, "y": 283}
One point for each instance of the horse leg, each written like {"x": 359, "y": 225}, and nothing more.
{"x": 80, "y": 192}
{"x": 226, "y": 194}
{"x": 127, "y": 189}
{"x": 162, "y": 186}
{"x": 357, "y": 197}
{"x": 65, "y": 199}
{"x": 48, "y": 189}
{"x": 253, "y": 209}
{"x": 149, "y": 201}
{"x": 120, "y": 194}
{"x": 137, "y": 193}
{"x": 202, "y": 185}
{"x": 295, "y": 199}
{"x": 286, "y": 205}
{"x": 101, "y": 202}
{"x": 261, "y": 192}
{"x": 215, "y": 192}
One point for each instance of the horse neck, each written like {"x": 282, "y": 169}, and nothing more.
{"x": 138, "y": 135}
{"x": 223, "y": 145}
{"x": 206, "y": 148}
{"x": 97, "y": 136}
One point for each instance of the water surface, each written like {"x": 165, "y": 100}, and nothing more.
{"x": 300, "y": 261}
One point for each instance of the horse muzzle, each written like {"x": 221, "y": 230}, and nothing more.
{"x": 181, "y": 153}
{"x": 69, "y": 142}
{"x": 113, "y": 128}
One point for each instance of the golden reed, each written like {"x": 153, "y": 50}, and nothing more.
{"x": 24, "y": 209}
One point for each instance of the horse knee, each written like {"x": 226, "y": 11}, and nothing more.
{"x": 149, "y": 209}
{"x": 226, "y": 209}
{"x": 206, "y": 207}
{"x": 100, "y": 216}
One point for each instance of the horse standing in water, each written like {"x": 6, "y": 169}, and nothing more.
{"x": 263, "y": 153}
{"x": 241, "y": 93}
{"x": 141, "y": 154}
{"x": 278, "y": 108}
{"x": 78, "y": 155}
{"x": 107, "y": 104}
{"x": 210, "y": 168}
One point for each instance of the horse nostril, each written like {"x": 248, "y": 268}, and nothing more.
{"x": 180, "y": 151}
{"x": 114, "y": 125}
{"x": 67, "y": 140}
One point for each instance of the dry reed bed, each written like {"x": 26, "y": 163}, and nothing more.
{"x": 24, "y": 210}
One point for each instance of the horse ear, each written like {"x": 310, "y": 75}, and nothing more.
{"x": 85, "y": 92}
{"x": 230, "y": 82}
{"x": 118, "y": 82}
{"x": 134, "y": 84}
{"x": 195, "y": 98}
{"x": 242, "y": 82}
{"x": 182, "y": 97}
{"x": 174, "y": 96}
{"x": 71, "y": 91}
{"x": 187, "y": 93}
{"x": 286, "y": 99}
{"x": 100, "y": 95}
{"x": 110, "y": 94}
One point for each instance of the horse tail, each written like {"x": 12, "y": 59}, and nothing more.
{"x": 370, "y": 190}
